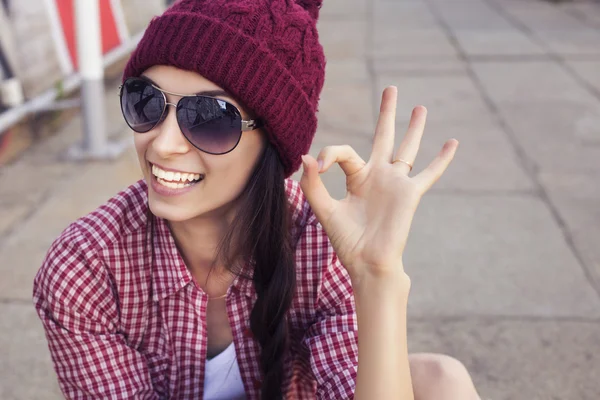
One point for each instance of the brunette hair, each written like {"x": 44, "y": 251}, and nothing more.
{"x": 261, "y": 234}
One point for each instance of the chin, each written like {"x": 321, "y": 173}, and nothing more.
{"x": 169, "y": 212}
{"x": 180, "y": 213}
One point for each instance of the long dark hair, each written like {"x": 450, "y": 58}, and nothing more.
{"x": 260, "y": 231}
{"x": 261, "y": 234}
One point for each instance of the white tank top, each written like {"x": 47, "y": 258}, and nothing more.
{"x": 222, "y": 379}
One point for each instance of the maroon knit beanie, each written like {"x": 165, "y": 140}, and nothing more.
{"x": 266, "y": 53}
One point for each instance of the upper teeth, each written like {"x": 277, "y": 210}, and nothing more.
{"x": 174, "y": 176}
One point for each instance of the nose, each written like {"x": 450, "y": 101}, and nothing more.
{"x": 169, "y": 139}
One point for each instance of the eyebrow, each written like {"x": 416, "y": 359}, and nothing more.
{"x": 210, "y": 93}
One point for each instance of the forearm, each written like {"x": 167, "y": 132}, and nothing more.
{"x": 383, "y": 367}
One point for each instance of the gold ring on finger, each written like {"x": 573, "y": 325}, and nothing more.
{"x": 403, "y": 161}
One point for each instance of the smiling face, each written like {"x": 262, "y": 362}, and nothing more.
{"x": 164, "y": 149}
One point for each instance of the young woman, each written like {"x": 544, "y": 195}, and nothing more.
{"x": 217, "y": 277}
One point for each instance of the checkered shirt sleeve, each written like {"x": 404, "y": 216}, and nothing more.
{"x": 74, "y": 299}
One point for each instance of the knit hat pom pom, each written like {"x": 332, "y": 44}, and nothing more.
{"x": 312, "y": 6}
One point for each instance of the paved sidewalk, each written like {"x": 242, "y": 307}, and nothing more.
{"x": 503, "y": 254}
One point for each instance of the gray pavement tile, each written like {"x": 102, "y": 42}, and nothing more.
{"x": 557, "y": 136}
{"x": 493, "y": 255}
{"x": 571, "y": 43}
{"x": 22, "y": 259}
{"x": 10, "y": 214}
{"x": 396, "y": 41}
{"x": 497, "y": 43}
{"x": 577, "y": 199}
{"x": 347, "y": 9}
{"x": 343, "y": 39}
{"x": 558, "y": 30}
{"x": 406, "y": 65}
{"x": 539, "y": 15}
{"x": 447, "y": 98}
{"x": 26, "y": 370}
{"x": 517, "y": 359}
{"x": 585, "y": 11}
{"x": 529, "y": 81}
{"x": 22, "y": 183}
{"x": 403, "y": 15}
{"x": 340, "y": 73}
{"x": 589, "y": 71}
{"x": 485, "y": 160}
{"x": 346, "y": 106}
{"x": 471, "y": 15}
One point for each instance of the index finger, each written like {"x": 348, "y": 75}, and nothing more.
{"x": 383, "y": 142}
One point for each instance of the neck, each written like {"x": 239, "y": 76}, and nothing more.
{"x": 198, "y": 240}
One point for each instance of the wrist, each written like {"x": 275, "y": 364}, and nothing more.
{"x": 384, "y": 281}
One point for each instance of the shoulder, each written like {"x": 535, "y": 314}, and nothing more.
{"x": 121, "y": 215}
{"x": 73, "y": 274}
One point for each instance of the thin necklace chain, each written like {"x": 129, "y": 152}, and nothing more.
{"x": 218, "y": 297}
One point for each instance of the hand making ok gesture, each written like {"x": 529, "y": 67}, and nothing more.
{"x": 369, "y": 228}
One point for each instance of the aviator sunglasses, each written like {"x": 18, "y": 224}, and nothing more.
{"x": 211, "y": 125}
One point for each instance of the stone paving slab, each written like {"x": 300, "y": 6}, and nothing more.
{"x": 558, "y": 30}
{"x": 518, "y": 358}
{"x": 417, "y": 43}
{"x": 472, "y": 15}
{"x": 421, "y": 66}
{"x": 451, "y": 98}
{"x": 506, "y": 252}
{"x": 26, "y": 370}
{"x": 586, "y": 11}
{"x": 559, "y": 137}
{"x": 577, "y": 196}
{"x": 403, "y": 15}
{"x": 539, "y": 15}
{"x": 588, "y": 71}
{"x": 344, "y": 9}
{"x": 347, "y": 106}
{"x": 497, "y": 43}
{"x": 485, "y": 161}
{"x": 343, "y": 39}
{"x": 530, "y": 81}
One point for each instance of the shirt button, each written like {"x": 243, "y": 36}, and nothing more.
{"x": 257, "y": 383}
{"x": 248, "y": 332}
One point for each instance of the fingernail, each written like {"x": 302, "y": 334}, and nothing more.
{"x": 303, "y": 164}
{"x": 320, "y": 164}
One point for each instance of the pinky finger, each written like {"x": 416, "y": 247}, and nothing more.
{"x": 430, "y": 175}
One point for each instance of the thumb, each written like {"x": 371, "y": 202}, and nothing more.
{"x": 315, "y": 191}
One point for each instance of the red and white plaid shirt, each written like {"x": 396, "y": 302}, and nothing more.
{"x": 118, "y": 329}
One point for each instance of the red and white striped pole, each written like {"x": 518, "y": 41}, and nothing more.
{"x": 88, "y": 36}
{"x": 91, "y": 70}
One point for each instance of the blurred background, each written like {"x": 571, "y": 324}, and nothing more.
{"x": 504, "y": 252}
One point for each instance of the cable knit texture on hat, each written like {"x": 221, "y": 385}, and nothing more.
{"x": 266, "y": 53}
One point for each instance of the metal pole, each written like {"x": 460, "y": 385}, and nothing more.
{"x": 89, "y": 58}
{"x": 91, "y": 70}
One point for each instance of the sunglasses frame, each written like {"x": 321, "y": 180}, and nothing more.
{"x": 247, "y": 125}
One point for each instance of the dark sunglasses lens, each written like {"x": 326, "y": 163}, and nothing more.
{"x": 212, "y": 125}
{"x": 142, "y": 105}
